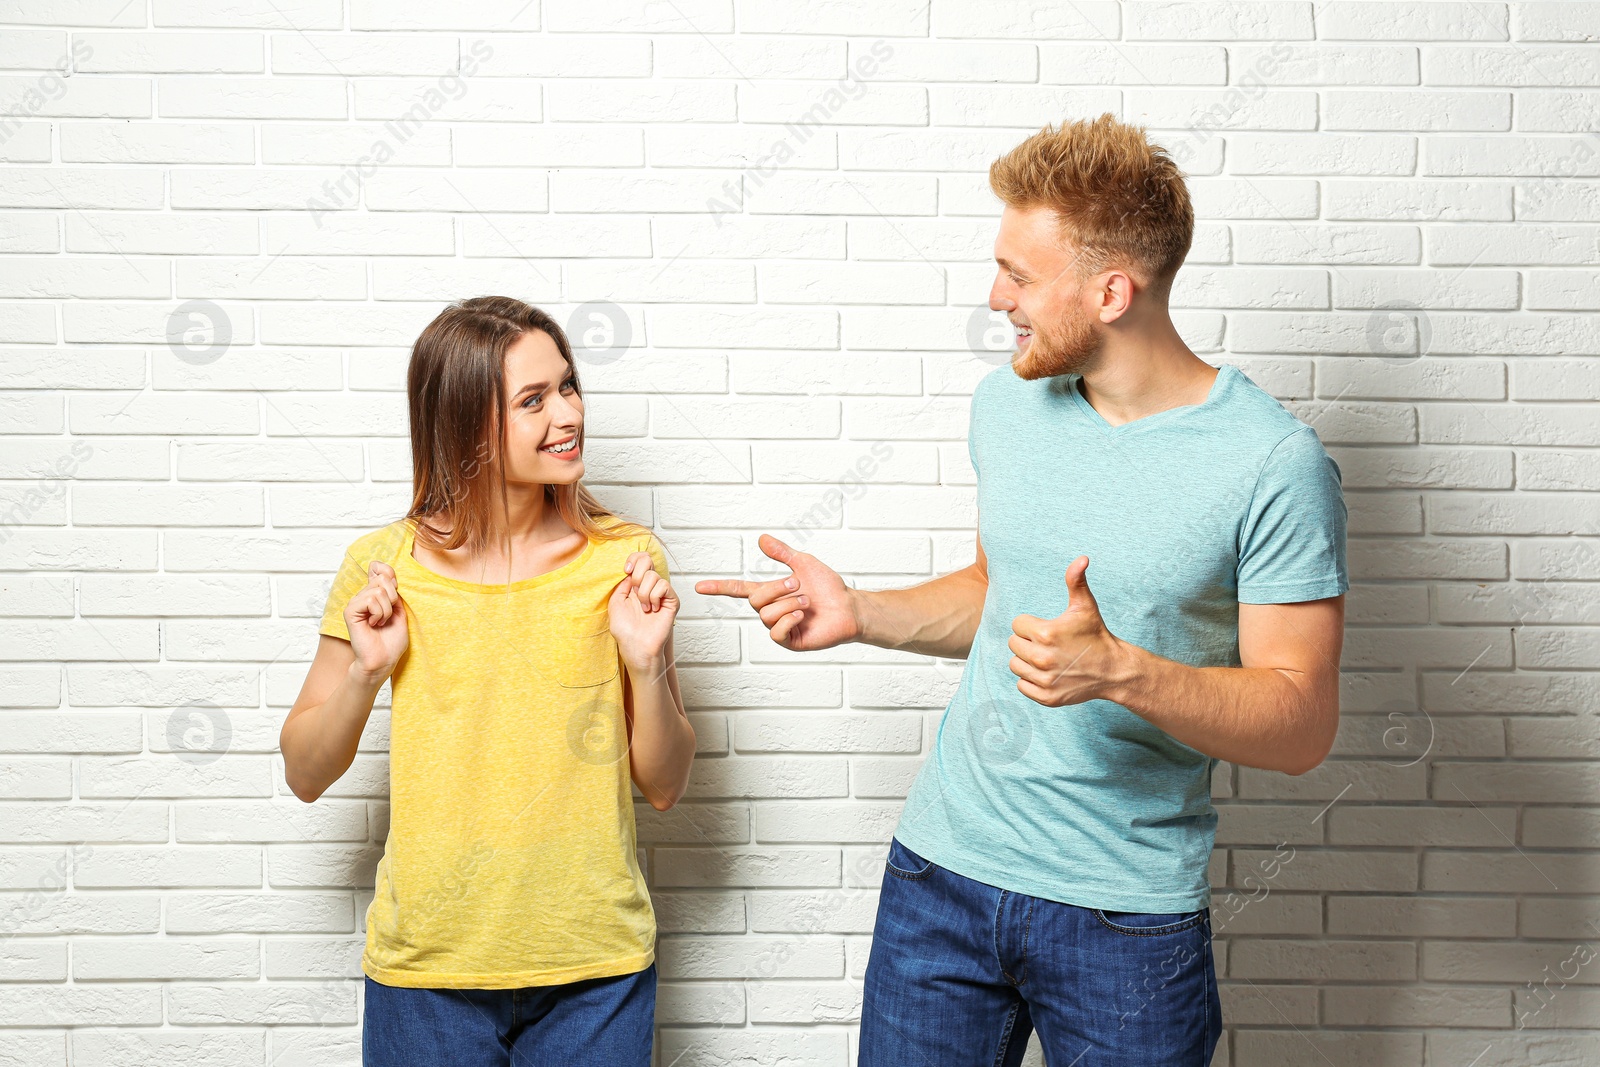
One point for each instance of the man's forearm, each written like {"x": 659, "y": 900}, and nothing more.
{"x": 1254, "y": 716}
{"x": 936, "y": 618}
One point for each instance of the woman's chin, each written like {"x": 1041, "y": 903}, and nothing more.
{"x": 566, "y": 472}
{"x": 553, "y": 473}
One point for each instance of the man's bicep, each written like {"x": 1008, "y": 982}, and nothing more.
{"x": 1306, "y": 638}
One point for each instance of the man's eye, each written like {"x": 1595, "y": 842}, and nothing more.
{"x": 1016, "y": 279}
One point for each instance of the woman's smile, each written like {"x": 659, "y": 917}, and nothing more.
{"x": 566, "y": 448}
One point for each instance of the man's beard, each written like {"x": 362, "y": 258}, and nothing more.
{"x": 1064, "y": 350}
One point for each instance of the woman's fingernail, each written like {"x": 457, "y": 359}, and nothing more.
{"x": 790, "y": 583}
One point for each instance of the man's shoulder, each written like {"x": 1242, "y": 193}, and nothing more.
{"x": 993, "y": 382}
{"x": 1251, "y": 414}
{"x": 1003, "y": 393}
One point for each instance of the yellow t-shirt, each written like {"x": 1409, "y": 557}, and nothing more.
{"x": 511, "y": 859}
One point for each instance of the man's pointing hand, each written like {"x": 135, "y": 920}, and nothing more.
{"x": 811, "y": 609}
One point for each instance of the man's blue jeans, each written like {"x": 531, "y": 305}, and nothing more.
{"x": 961, "y": 972}
{"x": 599, "y": 1022}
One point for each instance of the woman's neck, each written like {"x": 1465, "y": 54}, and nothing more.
{"x": 531, "y": 530}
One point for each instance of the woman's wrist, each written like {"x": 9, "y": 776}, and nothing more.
{"x": 367, "y": 679}
{"x": 650, "y": 668}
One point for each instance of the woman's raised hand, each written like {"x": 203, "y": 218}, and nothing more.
{"x": 811, "y": 609}
{"x": 642, "y": 608}
{"x": 376, "y": 619}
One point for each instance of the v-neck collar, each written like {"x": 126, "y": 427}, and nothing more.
{"x": 1224, "y": 379}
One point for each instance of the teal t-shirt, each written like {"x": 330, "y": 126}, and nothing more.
{"x": 1184, "y": 515}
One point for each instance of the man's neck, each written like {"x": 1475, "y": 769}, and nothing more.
{"x": 1135, "y": 377}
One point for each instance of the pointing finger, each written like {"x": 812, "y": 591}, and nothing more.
{"x": 763, "y": 593}
{"x": 722, "y": 587}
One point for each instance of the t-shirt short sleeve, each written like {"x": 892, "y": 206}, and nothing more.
{"x": 385, "y": 545}
{"x": 1293, "y": 544}
{"x": 350, "y": 580}
{"x": 658, "y": 554}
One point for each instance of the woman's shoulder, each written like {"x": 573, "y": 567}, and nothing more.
{"x": 385, "y": 543}
{"x": 623, "y": 529}
{"x": 629, "y": 536}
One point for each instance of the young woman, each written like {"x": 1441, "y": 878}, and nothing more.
{"x": 527, "y": 636}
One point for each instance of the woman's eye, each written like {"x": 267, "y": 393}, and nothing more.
{"x": 535, "y": 400}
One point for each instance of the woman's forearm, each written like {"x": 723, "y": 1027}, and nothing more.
{"x": 661, "y": 748}
{"x": 319, "y": 742}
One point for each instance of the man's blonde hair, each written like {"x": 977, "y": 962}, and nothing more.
{"x": 1121, "y": 200}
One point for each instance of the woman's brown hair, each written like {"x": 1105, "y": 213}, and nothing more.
{"x": 455, "y": 386}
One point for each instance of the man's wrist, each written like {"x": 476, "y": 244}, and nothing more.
{"x": 1124, "y": 670}
{"x": 855, "y": 599}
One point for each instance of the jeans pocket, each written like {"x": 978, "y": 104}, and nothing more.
{"x": 1149, "y": 923}
{"x": 903, "y": 863}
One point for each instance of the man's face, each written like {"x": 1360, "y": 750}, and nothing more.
{"x": 1038, "y": 287}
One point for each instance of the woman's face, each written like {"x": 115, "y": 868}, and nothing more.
{"x": 544, "y": 414}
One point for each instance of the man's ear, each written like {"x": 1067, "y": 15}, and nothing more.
{"x": 1115, "y": 289}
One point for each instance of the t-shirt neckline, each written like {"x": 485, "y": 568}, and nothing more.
{"x": 415, "y": 566}
{"x": 1157, "y": 419}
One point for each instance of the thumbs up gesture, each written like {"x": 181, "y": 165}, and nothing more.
{"x": 1068, "y": 659}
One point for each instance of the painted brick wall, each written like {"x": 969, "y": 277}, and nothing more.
{"x": 225, "y": 222}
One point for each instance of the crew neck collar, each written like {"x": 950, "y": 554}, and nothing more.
{"x": 416, "y": 570}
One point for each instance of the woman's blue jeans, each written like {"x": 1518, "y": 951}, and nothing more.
{"x": 599, "y": 1022}
{"x": 961, "y": 973}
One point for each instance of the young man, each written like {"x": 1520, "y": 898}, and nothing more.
{"x": 1049, "y": 868}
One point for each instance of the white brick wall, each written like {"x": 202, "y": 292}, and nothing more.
{"x": 1399, "y": 236}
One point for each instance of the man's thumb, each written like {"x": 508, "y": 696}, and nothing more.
{"x": 776, "y": 549}
{"x": 1079, "y": 598}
